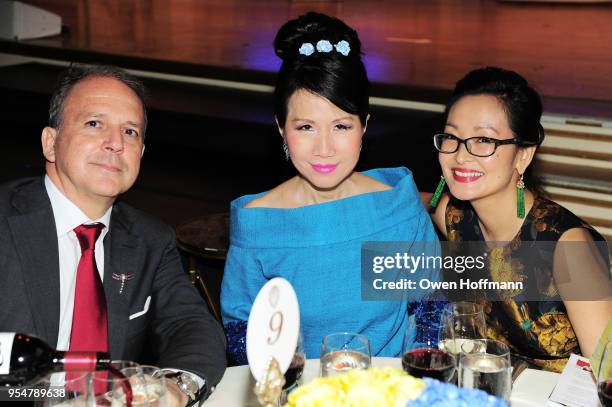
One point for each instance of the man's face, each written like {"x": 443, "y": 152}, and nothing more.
{"x": 96, "y": 153}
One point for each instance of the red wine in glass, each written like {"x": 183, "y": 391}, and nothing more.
{"x": 293, "y": 374}
{"x": 604, "y": 390}
{"x": 429, "y": 362}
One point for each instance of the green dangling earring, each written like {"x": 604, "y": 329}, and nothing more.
{"x": 520, "y": 200}
{"x": 433, "y": 202}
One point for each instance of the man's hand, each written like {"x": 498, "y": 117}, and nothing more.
{"x": 175, "y": 397}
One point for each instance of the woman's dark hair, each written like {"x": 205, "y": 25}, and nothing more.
{"x": 522, "y": 104}
{"x": 340, "y": 79}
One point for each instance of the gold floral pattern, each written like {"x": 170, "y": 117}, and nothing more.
{"x": 453, "y": 215}
{"x": 505, "y": 268}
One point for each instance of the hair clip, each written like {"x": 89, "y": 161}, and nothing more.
{"x": 324, "y": 46}
{"x": 343, "y": 48}
{"x": 307, "y": 49}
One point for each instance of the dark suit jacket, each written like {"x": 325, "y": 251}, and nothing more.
{"x": 178, "y": 329}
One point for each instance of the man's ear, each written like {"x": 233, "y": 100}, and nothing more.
{"x": 48, "y": 139}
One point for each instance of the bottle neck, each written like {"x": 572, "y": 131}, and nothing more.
{"x": 80, "y": 361}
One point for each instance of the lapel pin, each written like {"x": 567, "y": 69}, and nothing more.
{"x": 123, "y": 278}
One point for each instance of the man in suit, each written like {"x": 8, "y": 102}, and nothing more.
{"x": 129, "y": 294}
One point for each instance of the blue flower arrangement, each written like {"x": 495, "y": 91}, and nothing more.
{"x": 438, "y": 394}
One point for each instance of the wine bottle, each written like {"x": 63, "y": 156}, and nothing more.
{"x": 26, "y": 359}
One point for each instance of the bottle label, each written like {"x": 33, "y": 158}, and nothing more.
{"x": 6, "y": 347}
{"x": 80, "y": 361}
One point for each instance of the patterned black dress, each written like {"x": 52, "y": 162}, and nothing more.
{"x": 538, "y": 332}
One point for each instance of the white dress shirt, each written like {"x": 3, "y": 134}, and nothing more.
{"x": 67, "y": 217}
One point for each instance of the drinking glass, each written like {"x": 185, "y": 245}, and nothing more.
{"x": 115, "y": 386}
{"x": 294, "y": 373}
{"x": 485, "y": 365}
{"x": 462, "y": 322}
{"x": 344, "y": 351}
{"x": 421, "y": 355}
{"x": 604, "y": 378}
{"x": 148, "y": 385}
{"x": 73, "y": 391}
{"x": 104, "y": 385}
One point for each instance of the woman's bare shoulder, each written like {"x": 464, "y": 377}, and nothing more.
{"x": 274, "y": 198}
{"x": 368, "y": 184}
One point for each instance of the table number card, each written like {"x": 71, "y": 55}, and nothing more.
{"x": 273, "y": 327}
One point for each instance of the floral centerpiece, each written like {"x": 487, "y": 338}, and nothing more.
{"x": 386, "y": 387}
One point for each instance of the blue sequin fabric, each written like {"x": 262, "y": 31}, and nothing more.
{"x": 438, "y": 394}
{"x": 235, "y": 333}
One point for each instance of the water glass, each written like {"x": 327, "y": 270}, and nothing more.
{"x": 462, "y": 322}
{"x": 604, "y": 377}
{"x": 344, "y": 351}
{"x": 485, "y": 365}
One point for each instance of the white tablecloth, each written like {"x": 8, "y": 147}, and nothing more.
{"x": 531, "y": 388}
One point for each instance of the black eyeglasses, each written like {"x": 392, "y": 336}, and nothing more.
{"x": 477, "y": 146}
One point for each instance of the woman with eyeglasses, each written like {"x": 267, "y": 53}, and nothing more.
{"x": 491, "y": 135}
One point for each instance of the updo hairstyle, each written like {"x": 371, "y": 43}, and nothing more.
{"x": 340, "y": 78}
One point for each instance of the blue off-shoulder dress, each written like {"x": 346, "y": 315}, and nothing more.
{"x": 317, "y": 248}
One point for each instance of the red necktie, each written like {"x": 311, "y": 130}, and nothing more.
{"x": 89, "y": 324}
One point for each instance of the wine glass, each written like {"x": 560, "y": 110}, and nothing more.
{"x": 344, "y": 351}
{"x": 106, "y": 383}
{"x": 148, "y": 386}
{"x": 295, "y": 370}
{"x": 604, "y": 378}
{"x": 485, "y": 365}
{"x": 421, "y": 355}
{"x": 462, "y": 322}
{"x": 71, "y": 391}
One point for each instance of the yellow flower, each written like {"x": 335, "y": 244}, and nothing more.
{"x": 359, "y": 388}
{"x": 321, "y": 395}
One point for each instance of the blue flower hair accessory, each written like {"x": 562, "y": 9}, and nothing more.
{"x": 342, "y": 47}
{"x": 307, "y": 49}
{"x": 324, "y": 46}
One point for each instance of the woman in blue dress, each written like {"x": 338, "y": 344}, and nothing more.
{"x": 309, "y": 229}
